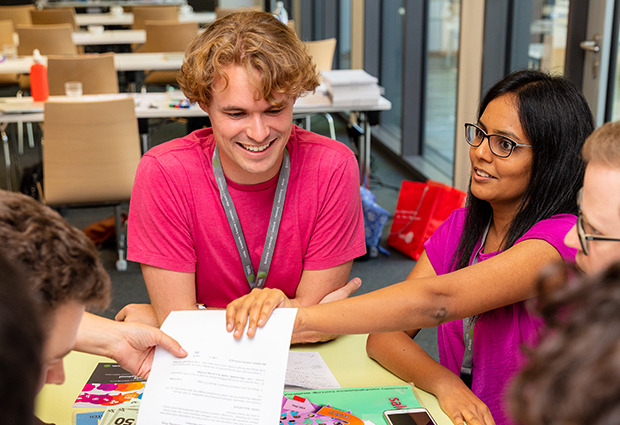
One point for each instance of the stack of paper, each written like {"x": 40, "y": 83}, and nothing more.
{"x": 351, "y": 87}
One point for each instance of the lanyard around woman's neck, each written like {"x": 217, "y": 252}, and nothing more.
{"x": 470, "y": 322}
{"x": 235, "y": 225}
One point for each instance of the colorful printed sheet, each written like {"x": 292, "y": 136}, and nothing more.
{"x": 109, "y": 385}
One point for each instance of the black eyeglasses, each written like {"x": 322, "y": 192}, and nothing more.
{"x": 501, "y": 146}
{"x": 581, "y": 231}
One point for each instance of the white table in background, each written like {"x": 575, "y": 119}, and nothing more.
{"x": 122, "y": 62}
{"x": 106, "y": 3}
{"x": 157, "y": 105}
{"x": 89, "y": 38}
{"x": 126, "y": 19}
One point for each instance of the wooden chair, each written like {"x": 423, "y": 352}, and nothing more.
{"x": 20, "y": 15}
{"x": 60, "y": 15}
{"x": 167, "y": 36}
{"x": 49, "y": 39}
{"x": 6, "y": 32}
{"x": 91, "y": 152}
{"x": 322, "y": 53}
{"x": 96, "y": 72}
{"x": 141, "y": 14}
{"x": 6, "y": 38}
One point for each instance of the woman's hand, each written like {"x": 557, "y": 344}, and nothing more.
{"x": 254, "y": 309}
{"x": 462, "y": 405}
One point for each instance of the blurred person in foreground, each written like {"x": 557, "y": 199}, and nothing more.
{"x": 62, "y": 267}
{"x": 573, "y": 376}
{"x": 21, "y": 343}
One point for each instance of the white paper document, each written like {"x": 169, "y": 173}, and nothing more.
{"x": 309, "y": 371}
{"x": 222, "y": 381}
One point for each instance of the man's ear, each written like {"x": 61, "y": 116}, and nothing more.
{"x": 203, "y": 106}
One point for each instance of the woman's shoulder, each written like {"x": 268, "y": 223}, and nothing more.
{"x": 553, "y": 230}
{"x": 556, "y": 223}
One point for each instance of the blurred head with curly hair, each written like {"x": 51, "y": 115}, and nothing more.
{"x": 246, "y": 70}
{"x": 61, "y": 265}
{"x": 573, "y": 375}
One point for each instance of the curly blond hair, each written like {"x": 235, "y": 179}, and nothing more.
{"x": 256, "y": 41}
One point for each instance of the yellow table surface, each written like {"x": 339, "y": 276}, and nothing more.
{"x": 346, "y": 357}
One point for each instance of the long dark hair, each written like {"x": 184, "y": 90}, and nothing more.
{"x": 556, "y": 120}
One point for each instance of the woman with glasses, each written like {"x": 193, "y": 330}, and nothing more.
{"x": 482, "y": 263}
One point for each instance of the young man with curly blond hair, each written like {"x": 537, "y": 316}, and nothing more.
{"x": 254, "y": 199}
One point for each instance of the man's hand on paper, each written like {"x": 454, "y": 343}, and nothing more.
{"x": 135, "y": 347}
{"x": 132, "y": 345}
{"x": 140, "y": 313}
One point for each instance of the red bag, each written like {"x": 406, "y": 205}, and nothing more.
{"x": 421, "y": 208}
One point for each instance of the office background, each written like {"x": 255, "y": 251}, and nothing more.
{"x": 434, "y": 59}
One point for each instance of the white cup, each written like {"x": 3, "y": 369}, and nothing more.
{"x": 9, "y": 51}
{"x": 95, "y": 29}
{"x": 73, "y": 89}
{"x": 116, "y": 10}
{"x": 185, "y": 9}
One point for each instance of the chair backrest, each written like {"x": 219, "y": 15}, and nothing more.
{"x": 49, "y": 39}
{"x": 322, "y": 53}
{"x": 60, "y": 15}
{"x": 168, "y": 36}
{"x": 96, "y": 72}
{"x": 220, "y": 12}
{"x": 6, "y": 33}
{"x": 141, "y": 14}
{"x": 91, "y": 151}
{"x": 20, "y": 15}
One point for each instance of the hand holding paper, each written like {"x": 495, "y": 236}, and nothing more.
{"x": 223, "y": 380}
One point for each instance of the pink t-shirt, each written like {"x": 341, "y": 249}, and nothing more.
{"x": 498, "y": 334}
{"x": 176, "y": 219}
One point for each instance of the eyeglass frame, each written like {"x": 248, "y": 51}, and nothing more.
{"x": 584, "y": 238}
{"x": 513, "y": 144}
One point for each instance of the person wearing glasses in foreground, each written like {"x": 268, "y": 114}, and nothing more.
{"x": 482, "y": 263}
{"x": 575, "y": 368}
{"x": 597, "y": 232}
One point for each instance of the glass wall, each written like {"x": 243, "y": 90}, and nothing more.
{"x": 441, "y": 81}
{"x": 391, "y": 65}
{"x": 548, "y": 30}
{"x": 344, "y": 35}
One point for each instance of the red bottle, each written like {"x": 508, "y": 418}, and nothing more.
{"x": 39, "y": 87}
